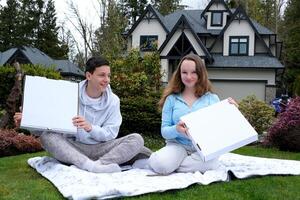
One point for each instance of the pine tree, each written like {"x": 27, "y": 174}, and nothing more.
{"x": 31, "y": 23}
{"x": 109, "y": 39}
{"x": 10, "y": 29}
{"x": 166, "y": 6}
{"x": 292, "y": 33}
{"x": 47, "y": 36}
{"x": 291, "y": 42}
{"x": 134, "y": 8}
{"x": 30, "y": 14}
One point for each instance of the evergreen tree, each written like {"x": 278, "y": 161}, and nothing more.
{"x": 291, "y": 42}
{"x": 47, "y": 36}
{"x": 269, "y": 14}
{"x": 30, "y": 14}
{"x": 31, "y": 23}
{"x": 166, "y": 6}
{"x": 10, "y": 29}
{"x": 109, "y": 39}
{"x": 134, "y": 9}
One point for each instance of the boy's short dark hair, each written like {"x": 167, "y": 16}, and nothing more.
{"x": 95, "y": 62}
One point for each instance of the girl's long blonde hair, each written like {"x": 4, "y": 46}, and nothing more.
{"x": 176, "y": 85}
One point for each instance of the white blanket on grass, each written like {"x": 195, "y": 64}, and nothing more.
{"x": 74, "y": 183}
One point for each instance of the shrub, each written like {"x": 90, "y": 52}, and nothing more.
{"x": 13, "y": 143}
{"x": 140, "y": 115}
{"x": 285, "y": 133}
{"x": 135, "y": 74}
{"x": 259, "y": 114}
{"x": 7, "y": 77}
{"x": 130, "y": 85}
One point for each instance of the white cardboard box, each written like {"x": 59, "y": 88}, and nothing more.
{"x": 218, "y": 129}
{"x": 49, "y": 105}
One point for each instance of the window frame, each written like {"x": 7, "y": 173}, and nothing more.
{"x": 212, "y": 19}
{"x": 146, "y": 40}
{"x": 239, "y": 45}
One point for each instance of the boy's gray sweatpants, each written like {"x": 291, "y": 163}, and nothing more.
{"x": 119, "y": 151}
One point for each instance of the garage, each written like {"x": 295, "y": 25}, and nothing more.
{"x": 239, "y": 89}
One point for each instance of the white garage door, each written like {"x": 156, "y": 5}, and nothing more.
{"x": 239, "y": 89}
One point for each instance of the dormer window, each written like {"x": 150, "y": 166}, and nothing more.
{"x": 216, "y": 18}
{"x": 238, "y": 45}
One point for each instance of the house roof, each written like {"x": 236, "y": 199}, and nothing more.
{"x": 183, "y": 20}
{"x": 37, "y": 57}
{"x": 240, "y": 14}
{"x": 257, "y": 61}
{"x": 4, "y": 56}
{"x": 159, "y": 17}
{"x": 67, "y": 67}
{"x": 194, "y": 18}
{"x": 211, "y": 3}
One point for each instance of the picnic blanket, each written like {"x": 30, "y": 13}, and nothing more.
{"x": 74, "y": 183}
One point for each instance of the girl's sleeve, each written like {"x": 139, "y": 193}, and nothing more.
{"x": 168, "y": 128}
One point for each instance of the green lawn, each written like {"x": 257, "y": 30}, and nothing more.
{"x": 19, "y": 181}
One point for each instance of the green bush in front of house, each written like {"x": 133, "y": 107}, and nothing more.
{"x": 140, "y": 115}
{"x": 136, "y": 80}
{"x": 259, "y": 114}
{"x": 7, "y": 77}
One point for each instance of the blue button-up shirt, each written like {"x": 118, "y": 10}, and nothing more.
{"x": 175, "y": 107}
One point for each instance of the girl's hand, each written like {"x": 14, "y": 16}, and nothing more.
{"x": 232, "y": 101}
{"x": 181, "y": 128}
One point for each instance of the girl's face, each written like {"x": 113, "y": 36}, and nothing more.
{"x": 188, "y": 73}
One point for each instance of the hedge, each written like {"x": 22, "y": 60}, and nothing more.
{"x": 140, "y": 115}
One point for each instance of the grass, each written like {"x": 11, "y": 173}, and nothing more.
{"x": 19, "y": 181}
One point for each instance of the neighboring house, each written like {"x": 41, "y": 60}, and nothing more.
{"x": 241, "y": 55}
{"x": 30, "y": 55}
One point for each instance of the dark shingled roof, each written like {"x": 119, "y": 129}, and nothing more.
{"x": 65, "y": 66}
{"x": 4, "y": 56}
{"x": 37, "y": 57}
{"x": 257, "y": 61}
{"x": 199, "y": 24}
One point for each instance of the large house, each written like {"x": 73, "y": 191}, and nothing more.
{"x": 240, "y": 54}
{"x": 31, "y": 55}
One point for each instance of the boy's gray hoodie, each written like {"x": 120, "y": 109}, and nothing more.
{"x": 104, "y": 116}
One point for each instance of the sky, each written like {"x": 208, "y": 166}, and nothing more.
{"x": 88, "y": 12}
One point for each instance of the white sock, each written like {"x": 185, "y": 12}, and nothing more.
{"x": 141, "y": 164}
{"x": 98, "y": 167}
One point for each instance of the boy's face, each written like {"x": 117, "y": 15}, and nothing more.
{"x": 100, "y": 78}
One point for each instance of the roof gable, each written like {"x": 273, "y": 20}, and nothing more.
{"x": 212, "y": 2}
{"x": 239, "y": 15}
{"x": 182, "y": 24}
{"x": 149, "y": 13}
{"x": 6, "y": 55}
{"x": 36, "y": 57}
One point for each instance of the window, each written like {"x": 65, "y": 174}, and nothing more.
{"x": 216, "y": 18}
{"x": 148, "y": 42}
{"x": 238, "y": 45}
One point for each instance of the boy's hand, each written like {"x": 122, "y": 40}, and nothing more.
{"x": 80, "y": 122}
{"x": 17, "y": 119}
